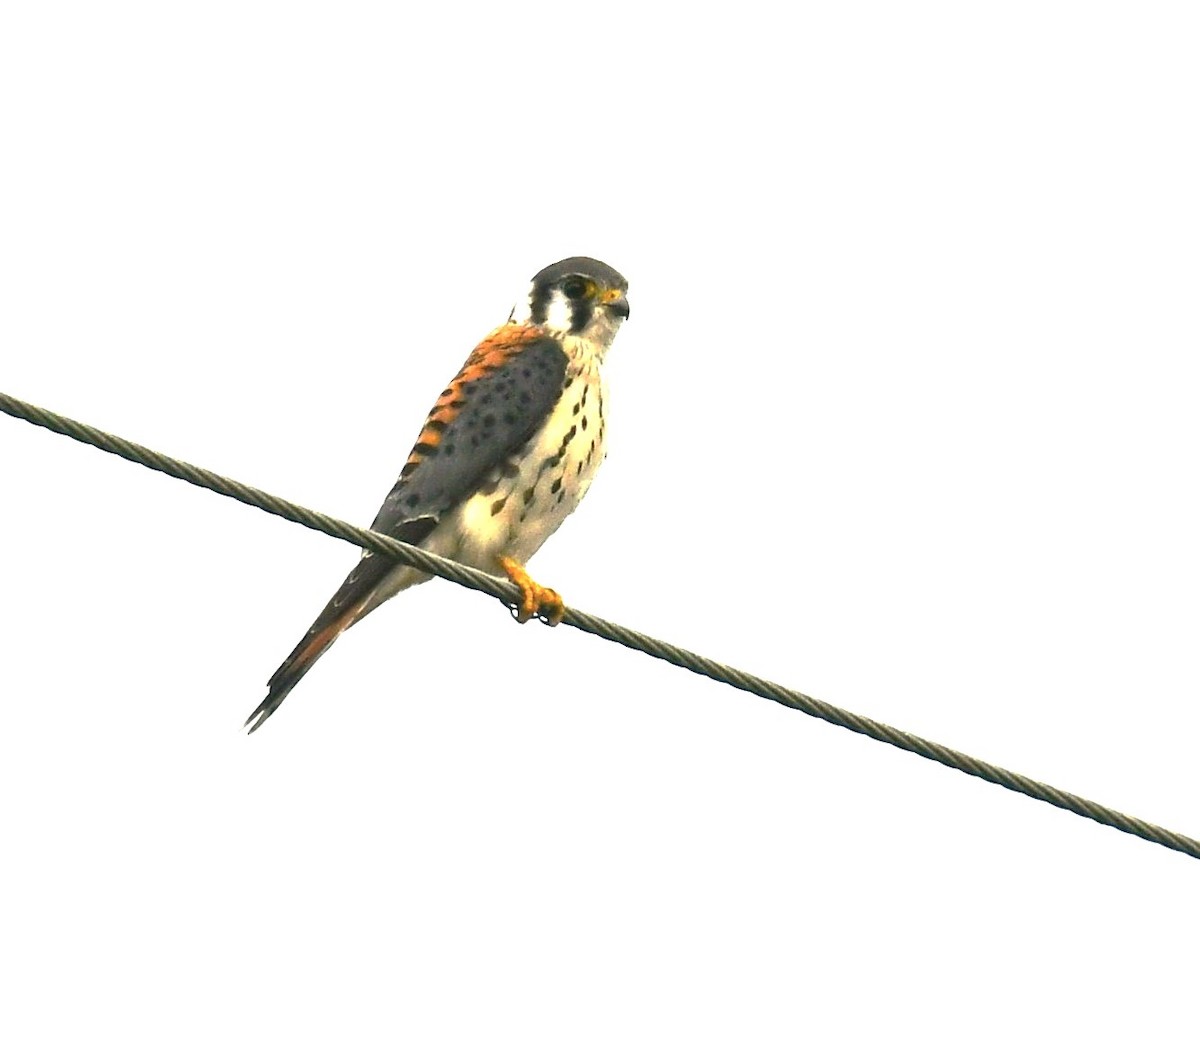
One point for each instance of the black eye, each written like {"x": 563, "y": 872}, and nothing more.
{"x": 574, "y": 287}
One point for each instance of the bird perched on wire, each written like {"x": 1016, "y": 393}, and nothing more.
{"x": 506, "y": 453}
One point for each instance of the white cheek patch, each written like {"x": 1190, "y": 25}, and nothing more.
{"x": 558, "y": 314}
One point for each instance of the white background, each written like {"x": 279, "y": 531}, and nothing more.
{"x": 905, "y": 417}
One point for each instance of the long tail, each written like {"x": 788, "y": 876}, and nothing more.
{"x": 357, "y": 596}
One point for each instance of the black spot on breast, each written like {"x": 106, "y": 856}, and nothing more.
{"x": 489, "y": 420}
{"x": 556, "y": 485}
{"x": 584, "y": 423}
{"x": 528, "y": 497}
{"x": 498, "y": 506}
{"x": 412, "y": 500}
{"x": 560, "y": 497}
{"x": 578, "y": 468}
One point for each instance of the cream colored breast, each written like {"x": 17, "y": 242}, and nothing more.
{"x": 522, "y": 504}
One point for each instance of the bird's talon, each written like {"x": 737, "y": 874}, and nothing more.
{"x": 551, "y": 607}
{"x": 536, "y": 600}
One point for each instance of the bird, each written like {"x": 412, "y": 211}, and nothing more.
{"x": 509, "y": 449}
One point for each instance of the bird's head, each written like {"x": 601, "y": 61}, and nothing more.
{"x": 576, "y": 297}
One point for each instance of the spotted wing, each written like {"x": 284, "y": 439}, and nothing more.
{"x": 501, "y": 396}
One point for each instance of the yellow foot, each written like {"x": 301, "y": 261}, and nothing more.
{"x": 536, "y": 600}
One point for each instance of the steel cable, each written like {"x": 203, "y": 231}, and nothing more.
{"x": 590, "y": 624}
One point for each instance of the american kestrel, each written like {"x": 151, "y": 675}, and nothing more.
{"x": 507, "y": 452}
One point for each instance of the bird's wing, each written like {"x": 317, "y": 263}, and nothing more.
{"x": 501, "y": 396}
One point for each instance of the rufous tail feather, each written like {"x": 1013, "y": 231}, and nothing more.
{"x": 314, "y": 645}
{"x": 356, "y": 597}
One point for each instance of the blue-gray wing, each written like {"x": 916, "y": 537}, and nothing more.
{"x": 505, "y": 391}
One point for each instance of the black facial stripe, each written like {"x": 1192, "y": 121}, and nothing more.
{"x": 581, "y": 314}
{"x": 539, "y": 304}
{"x": 581, "y": 310}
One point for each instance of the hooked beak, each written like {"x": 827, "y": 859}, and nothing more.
{"x": 616, "y": 302}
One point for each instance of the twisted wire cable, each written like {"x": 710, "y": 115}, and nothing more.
{"x": 508, "y": 593}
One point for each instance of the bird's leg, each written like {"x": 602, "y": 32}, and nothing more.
{"x": 536, "y": 600}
